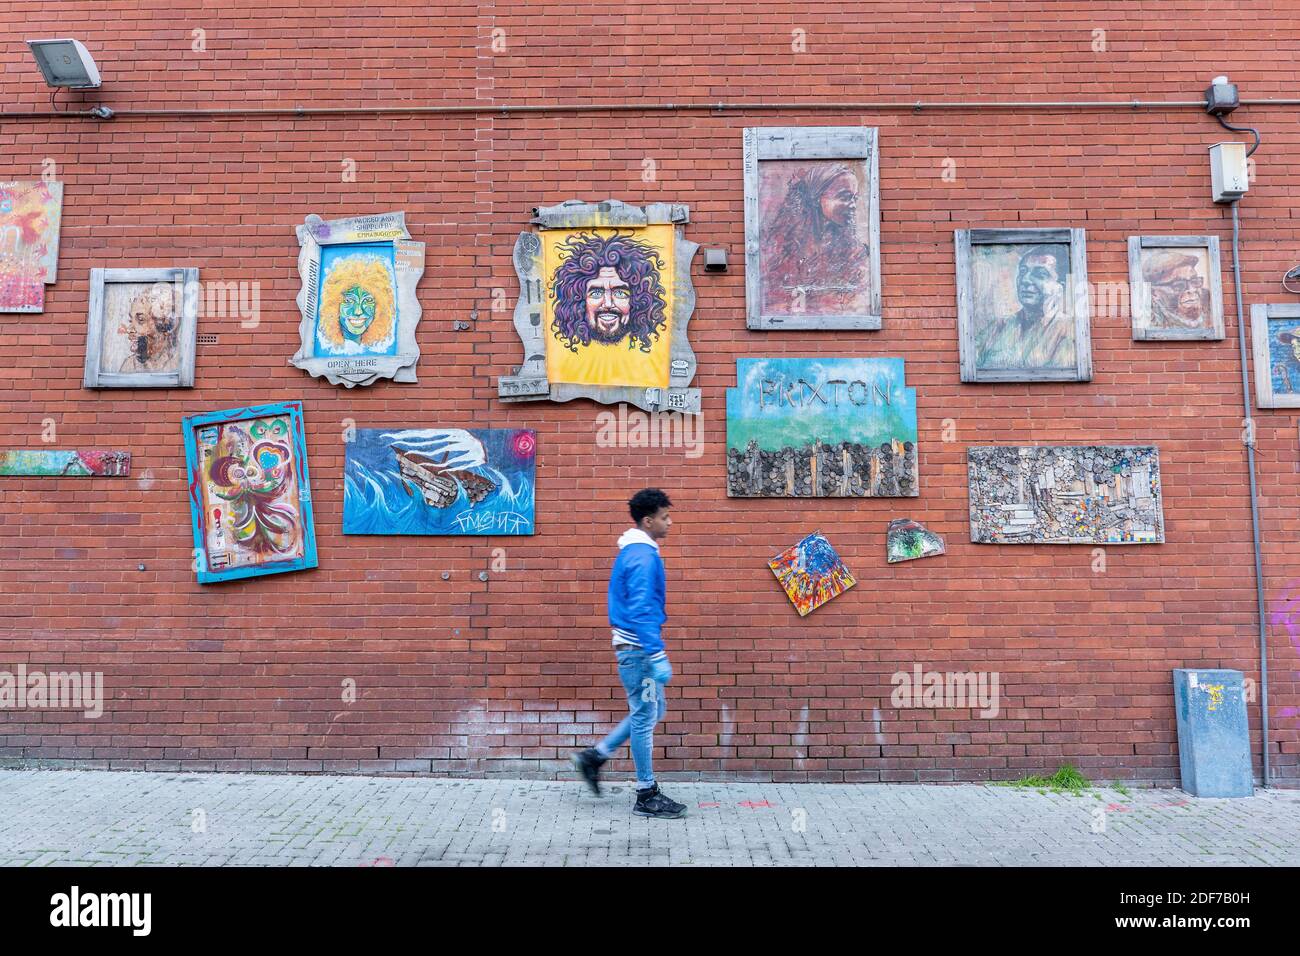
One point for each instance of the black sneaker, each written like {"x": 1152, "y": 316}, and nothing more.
{"x": 654, "y": 803}
{"x": 588, "y": 763}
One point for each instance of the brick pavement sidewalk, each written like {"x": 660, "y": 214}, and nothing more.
{"x": 85, "y": 817}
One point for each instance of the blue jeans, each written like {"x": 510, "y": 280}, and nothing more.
{"x": 646, "y": 707}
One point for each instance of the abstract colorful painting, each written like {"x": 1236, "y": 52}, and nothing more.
{"x": 1023, "y": 305}
{"x": 908, "y": 540}
{"x": 49, "y": 462}
{"x": 812, "y": 228}
{"x": 250, "y": 497}
{"x": 440, "y": 481}
{"x": 1275, "y": 346}
{"x": 1175, "y": 288}
{"x": 811, "y": 573}
{"x": 605, "y": 298}
{"x": 358, "y": 300}
{"x": 142, "y": 328}
{"x": 30, "y": 213}
{"x": 821, "y": 428}
{"x": 1070, "y": 494}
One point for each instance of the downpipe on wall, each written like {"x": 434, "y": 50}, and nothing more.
{"x": 1254, "y": 491}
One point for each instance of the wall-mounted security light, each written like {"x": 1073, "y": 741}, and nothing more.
{"x": 65, "y": 63}
{"x": 1221, "y": 97}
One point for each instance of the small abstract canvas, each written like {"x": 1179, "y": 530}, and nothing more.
{"x": 908, "y": 540}
{"x": 440, "y": 481}
{"x": 821, "y": 428}
{"x": 811, "y": 573}
{"x": 55, "y": 463}
{"x": 250, "y": 498}
{"x": 1073, "y": 494}
{"x": 30, "y": 213}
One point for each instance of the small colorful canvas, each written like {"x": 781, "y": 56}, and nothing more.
{"x": 811, "y": 573}
{"x": 29, "y": 243}
{"x": 54, "y": 463}
{"x": 439, "y": 481}
{"x": 250, "y": 498}
{"x": 908, "y": 540}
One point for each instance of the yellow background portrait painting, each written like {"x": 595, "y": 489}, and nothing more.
{"x": 608, "y": 305}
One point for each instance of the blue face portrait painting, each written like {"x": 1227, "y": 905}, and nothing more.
{"x": 440, "y": 481}
{"x": 358, "y": 302}
{"x": 1284, "y": 355}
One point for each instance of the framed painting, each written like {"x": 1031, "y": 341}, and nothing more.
{"x": 30, "y": 213}
{"x": 1275, "y": 342}
{"x": 811, "y": 573}
{"x": 812, "y": 228}
{"x": 440, "y": 481}
{"x": 1175, "y": 288}
{"x": 1066, "y": 494}
{"x": 1023, "y": 305}
{"x": 358, "y": 303}
{"x": 250, "y": 497}
{"x": 605, "y": 297}
{"x": 821, "y": 427}
{"x": 141, "y": 329}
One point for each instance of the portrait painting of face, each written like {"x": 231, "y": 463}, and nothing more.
{"x": 1021, "y": 315}
{"x": 29, "y": 243}
{"x": 814, "y": 237}
{"x": 1176, "y": 287}
{"x": 607, "y": 305}
{"x": 252, "y": 513}
{"x": 141, "y": 327}
{"x": 357, "y": 311}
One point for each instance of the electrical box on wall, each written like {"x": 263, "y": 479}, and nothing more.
{"x": 1228, "y": 171}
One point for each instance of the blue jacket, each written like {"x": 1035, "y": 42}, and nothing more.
{"x": 636, "y": 591}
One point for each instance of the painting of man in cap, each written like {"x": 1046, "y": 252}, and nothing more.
{"x": 1179, "y": 296}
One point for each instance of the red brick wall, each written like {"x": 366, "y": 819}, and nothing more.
{"x": 507, "y": 675}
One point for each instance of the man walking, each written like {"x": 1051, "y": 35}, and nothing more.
{"x": 636, "y": 617}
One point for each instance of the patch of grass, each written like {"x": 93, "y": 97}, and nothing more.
{"x": 1067, "y": 779}
{"x": 1120, "y": 788}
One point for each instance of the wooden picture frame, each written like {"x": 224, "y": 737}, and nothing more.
{"x": 978, "y": 333}
{"x": 856, "y": 147}
{"x": 158, "y": 346}
{"x": 1270, "y": 361}
{"x": 249, "y": 491}
{"x": 362, "y": 262}
{"x": 1148, "y": 324}
{"x": 540, "y": 261}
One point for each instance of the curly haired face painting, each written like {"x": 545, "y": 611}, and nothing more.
{"x": 608, "y": 305}
{"x": 358, "y": 301}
